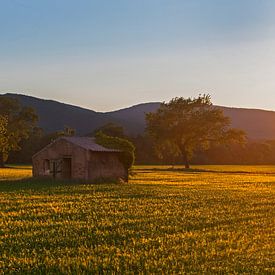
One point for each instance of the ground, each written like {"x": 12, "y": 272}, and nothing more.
{"x": 212, "y": 219}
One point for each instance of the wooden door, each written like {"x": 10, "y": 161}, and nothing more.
{"x": 67, "y": 168}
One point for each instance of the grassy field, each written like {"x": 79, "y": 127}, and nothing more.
{"x": 212, "y": 219}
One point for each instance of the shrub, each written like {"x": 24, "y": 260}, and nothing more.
{"x": 127, "y": 155}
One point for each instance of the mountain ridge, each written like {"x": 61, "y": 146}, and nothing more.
{"x": 54, "y": 115}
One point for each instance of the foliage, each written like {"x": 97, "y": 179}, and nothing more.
{"x": 19, "y": 122}
{"x": 145, "y": 153}
{"x": 127, "y": 156}
{"x": 67, "y": 132}
{"x": 253, "y": 152}
{"x": 111, "y": 129}
{"x": 37, "y": 140}
{"x": 217, "y": 221}
{"x": 3, "y": 132}
{"x": 182, "y": 125}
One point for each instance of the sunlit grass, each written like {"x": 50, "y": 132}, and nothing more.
{"x": 210, "y": 219}
{"x": 12, "y": 172}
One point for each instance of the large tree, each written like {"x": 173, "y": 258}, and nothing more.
{"x": 183, "y": 125}
{"x": 16, "y": 124}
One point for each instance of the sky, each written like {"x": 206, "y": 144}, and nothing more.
{"x": 106, "y": 54}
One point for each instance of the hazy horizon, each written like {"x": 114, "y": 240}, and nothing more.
{"x": 106, "y": 56}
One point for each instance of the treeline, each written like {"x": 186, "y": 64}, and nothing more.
{"x": 252, "y": 152}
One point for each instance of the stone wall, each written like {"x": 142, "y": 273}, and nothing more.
{"x": 105, "y": 165}
{"x": 57, "y": 151}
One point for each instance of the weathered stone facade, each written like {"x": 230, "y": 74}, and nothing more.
{"x": 78, "y": 158}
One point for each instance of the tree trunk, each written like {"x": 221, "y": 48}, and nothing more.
{"x": 186, "y": 160}
{"x": 2, "y": 162}
{"x": 127, "y": 175}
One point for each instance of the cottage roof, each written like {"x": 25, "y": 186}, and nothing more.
{"x": 88, "y": 143}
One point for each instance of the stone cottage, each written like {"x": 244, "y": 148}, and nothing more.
{"x": 78, "y": 158}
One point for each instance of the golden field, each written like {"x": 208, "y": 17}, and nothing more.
{"x": 210, "y": 219}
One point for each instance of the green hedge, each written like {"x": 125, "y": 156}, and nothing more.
{"x": 127, "y": 156}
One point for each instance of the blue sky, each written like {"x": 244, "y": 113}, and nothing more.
{"x": 106, "y": 55}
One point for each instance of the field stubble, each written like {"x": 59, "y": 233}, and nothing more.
{"x": 212, "y": 219}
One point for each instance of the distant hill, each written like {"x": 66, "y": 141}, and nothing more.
{"x": 53, "y": 116}
{"x": 258, "y": 124}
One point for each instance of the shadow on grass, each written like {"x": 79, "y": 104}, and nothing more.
{"x": 199, "y": 171}
{"x": 17, "y": 167}
{"x": 32, "y": 184}
{"x": 39, "y": 184}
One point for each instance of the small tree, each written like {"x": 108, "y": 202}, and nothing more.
{"x": 127, "y": 155}
{"x": 17, "y": 122}
{"x": 67, "y": 132}
{"x": 182, "y": 125}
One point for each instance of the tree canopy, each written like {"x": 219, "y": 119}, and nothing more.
{"x": 183, "y": 125}
{"x": 16, "y": 123}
